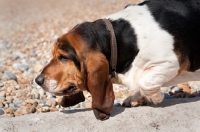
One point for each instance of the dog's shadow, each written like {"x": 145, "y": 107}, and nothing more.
{"x": 175, "y": 101}
{"x": 115, "y": 110}
{"x": 119, "y": 109}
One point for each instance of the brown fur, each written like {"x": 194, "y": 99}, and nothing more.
{"x": 93, "y": 76}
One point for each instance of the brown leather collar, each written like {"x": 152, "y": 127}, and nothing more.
{"x": 113, "y": 46}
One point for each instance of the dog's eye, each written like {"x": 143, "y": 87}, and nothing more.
{"x": 63, "y": 58}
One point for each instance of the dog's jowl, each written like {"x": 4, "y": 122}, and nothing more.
{"x": 153, "y": 44}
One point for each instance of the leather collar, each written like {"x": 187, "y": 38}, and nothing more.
{"x": 113, "y": 46}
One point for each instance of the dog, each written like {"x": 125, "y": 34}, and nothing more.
{"x": 149, "y": 45}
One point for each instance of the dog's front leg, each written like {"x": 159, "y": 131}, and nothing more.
{"x": 150, "y": 80}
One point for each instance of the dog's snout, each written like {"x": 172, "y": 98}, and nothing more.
{"x": 40, "y": 79}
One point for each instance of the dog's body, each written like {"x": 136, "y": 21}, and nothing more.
{"x": 158, "y": 44}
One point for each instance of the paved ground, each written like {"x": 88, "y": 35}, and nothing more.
{"x": 172, "y": 115}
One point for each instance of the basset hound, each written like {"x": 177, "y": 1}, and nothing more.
{"x": 156, "y": 43}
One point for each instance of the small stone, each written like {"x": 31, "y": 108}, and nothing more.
{"x": 12, "y": 94}
{"x": 43, "y": 97}
{"x": 41, "y": 92}
{"x": 38, "y": 107}
{"x": 174, "y": 89}
{"x": 123, "y": 91}
{"x": 58, "y": 100}
{"x": 130, "y": 93}
{"x": 49, "y": 103}
{"x": 88, "y": 105}
{"x": 13, "y": 106}
{"x": 5, "y": 104}
{"x": 193, "y": 91}
{"x": 32, "y": 96}
{"x": 117, "y": 94}
{"x": 49, "y": 95}
{"x": 10, "y": 76}
{"x": 9, "y": 89}
{"x": 184, "y": 87}
{"x": 37, "y": 96}
{"x": 9, "y": 99}
{"x": 2, "y": 45}
{"x": 45, "y": 109}
{"x": 2, "y": 99}
{"x": 21, "y": 93}
{"x": 38, "y": 68}
{"x": 1, "y": 112}
{"x": 2, "y": 94}
{"x": 18, "y": 55}
{"x": 1, "y": 105}
{"x": 31, "y": 101}
{"x": 58, "y": 106}
{"x": 1, "y": 84}
{"x": 53, "y": 109}
{"x": 18, "y": 113}
{"x": 18, "y": 102}
{"x": 35, "y": 105}
{"x": 8, "y": 111}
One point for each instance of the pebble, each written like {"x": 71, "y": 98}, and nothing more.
{"x": 49, "y": 103}
{"x": 2, "y": 99}
{"x": 18, "y": 55}
{"x": 2, "y": 46}
{"x": 49, "y": 95}
{"x": 18, "y": 102}
{"x": 53, "y": 109}
{"x": 9, "y": 99}
{"x": 184, "y": 87}
{"x": 10, "y": 76}
{"x": 8, "y": 111}
{"x": 41, "y": 92}
{"x": 9, "y": 89}
{"x": 2, "y": 94}
{"x": 1, "y": 112}
{"x": 1, "y": 84}
{"x": 13, "y": 106}
{"x": 45, "y": 109}
{"x": 1, "y": 105}
{"x": 31, "y": 101}
{"x": 117, "y": 94}
{"x": 21, "y": 67}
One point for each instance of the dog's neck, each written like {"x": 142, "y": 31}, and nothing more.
{"x": 97, "y": 36}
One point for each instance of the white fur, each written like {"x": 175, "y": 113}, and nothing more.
{"x": 156, "y": 62}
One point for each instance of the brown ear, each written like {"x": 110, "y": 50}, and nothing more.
{"x": 99, "y": 84}
{"x": 72, "y": 99}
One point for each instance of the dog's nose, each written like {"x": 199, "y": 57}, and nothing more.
{"x": 40, "y": 79}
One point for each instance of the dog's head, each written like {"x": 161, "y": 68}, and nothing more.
{"x": 62, "y": 76}
{"x": 77, "y": 66}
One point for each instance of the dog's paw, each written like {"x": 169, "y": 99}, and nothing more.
{"x": 136, "y": 100}
{"x": 72, "y": 99}
{"x": 100, "y": 116}
{"x": 155, "y": 97}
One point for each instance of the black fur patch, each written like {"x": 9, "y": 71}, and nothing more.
{"x": 65, "y": 46}
{"x": 97, "y": 36}
{"x": 181, "y": 18}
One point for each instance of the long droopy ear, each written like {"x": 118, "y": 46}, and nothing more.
{"x": 99, "y": 84}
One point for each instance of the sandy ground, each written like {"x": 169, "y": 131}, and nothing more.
{"x": 17, "y": 17}
{"x": 172, "y": 115}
